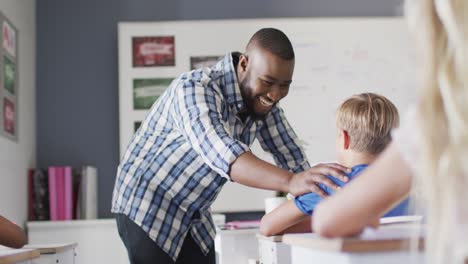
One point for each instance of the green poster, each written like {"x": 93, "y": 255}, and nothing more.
{"x": 9, "y": 73}
{"x": 147, "y": 91}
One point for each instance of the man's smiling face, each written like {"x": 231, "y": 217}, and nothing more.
{"x": 264, "y": 80}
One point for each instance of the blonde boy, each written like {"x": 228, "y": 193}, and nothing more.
{"x": 364, "y": 124}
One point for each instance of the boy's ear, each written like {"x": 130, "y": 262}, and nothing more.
{"x": 346, "y": 139}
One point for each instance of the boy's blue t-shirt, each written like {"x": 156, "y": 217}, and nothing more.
{"x": 307, "y": 202}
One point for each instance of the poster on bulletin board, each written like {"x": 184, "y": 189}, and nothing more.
{"x": 8, "y": 79}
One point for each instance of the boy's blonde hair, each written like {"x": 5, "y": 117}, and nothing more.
{"x": 368, "y": 119}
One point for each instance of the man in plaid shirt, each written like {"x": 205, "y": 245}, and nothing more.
{"x": 196, "y": 137}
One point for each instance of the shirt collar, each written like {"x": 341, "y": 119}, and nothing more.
{"x": 357, "y": 169}
{"x": 229, "y": 83}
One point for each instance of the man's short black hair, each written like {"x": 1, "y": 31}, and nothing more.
{"x": 274, "y": 41}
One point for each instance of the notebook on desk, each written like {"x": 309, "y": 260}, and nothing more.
{"x": 234, "y": 225}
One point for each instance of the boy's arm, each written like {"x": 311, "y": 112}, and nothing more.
{"x": 301, "y": 227}
{"x": 11, "y": 235}
{"x": 386, "y": 182}
{"x": 287, "y": 218}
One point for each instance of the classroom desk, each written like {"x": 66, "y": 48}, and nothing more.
{"x": 98, "y": 240}
{"x": 236, "y": 246}
{"x": 55, "y": 253}
{"x": 272, "y": 250}
{"x": 388, "y": 244}
{"x": 19, "y": 256}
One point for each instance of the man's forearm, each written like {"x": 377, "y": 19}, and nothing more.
{"x": 251, "y": 171}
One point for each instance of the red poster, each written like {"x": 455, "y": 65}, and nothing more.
{"x": 9, "y": 117}
{"x": 9, "y": 38}
{"x": 153, "y": 51}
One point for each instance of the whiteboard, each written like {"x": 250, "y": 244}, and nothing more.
{"x": 335, "y": 58}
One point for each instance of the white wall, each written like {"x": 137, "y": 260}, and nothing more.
{"x": 17, "y": 157}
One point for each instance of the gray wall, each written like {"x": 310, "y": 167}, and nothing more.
{"x": 77, "y": 82}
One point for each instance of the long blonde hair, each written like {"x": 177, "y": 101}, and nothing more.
{"x": 441, "y": 27}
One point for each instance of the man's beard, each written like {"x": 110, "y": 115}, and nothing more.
{"x": 246, "y": 93}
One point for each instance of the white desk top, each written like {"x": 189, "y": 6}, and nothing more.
{"x": 9, "y": 256}
{"x": 278, "y": 238}
{"x": 52, "y": 248}
{"x": 386, "y": 238}
{"x": 401, "y": 219}
{"x": 394, "y": 221}
{"x": 71, "y": 223}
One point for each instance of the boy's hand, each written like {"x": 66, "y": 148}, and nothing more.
{"x": 306, "y": 181}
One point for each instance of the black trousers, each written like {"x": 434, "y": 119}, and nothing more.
{"x": 142, "y": 250}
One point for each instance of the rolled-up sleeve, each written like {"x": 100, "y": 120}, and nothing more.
{"x": 199, "y": 110}
{"x": 278, "y": 138}
{"x": 306, "y": 203}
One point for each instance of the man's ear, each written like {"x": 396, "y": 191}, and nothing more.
{"x": 243, "y": 62}
{"x": 346, "y": 139}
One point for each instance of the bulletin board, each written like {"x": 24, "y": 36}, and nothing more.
{"x": 335, "y": 58}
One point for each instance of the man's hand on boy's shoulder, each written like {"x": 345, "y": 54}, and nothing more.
{"x": 306, "y": 181}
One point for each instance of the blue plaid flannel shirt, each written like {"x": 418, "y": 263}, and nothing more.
{"x": 179, "y": 159}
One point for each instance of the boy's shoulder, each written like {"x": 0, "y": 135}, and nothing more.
{"x": 356, "y": 170}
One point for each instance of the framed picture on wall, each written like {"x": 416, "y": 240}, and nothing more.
{"x": 9, "y": 38}
{"x": 9, "y": 74}
{"x": 8, "y": 117}
{"x": 147, "y": 91}
{"x": 153, "y": 51}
